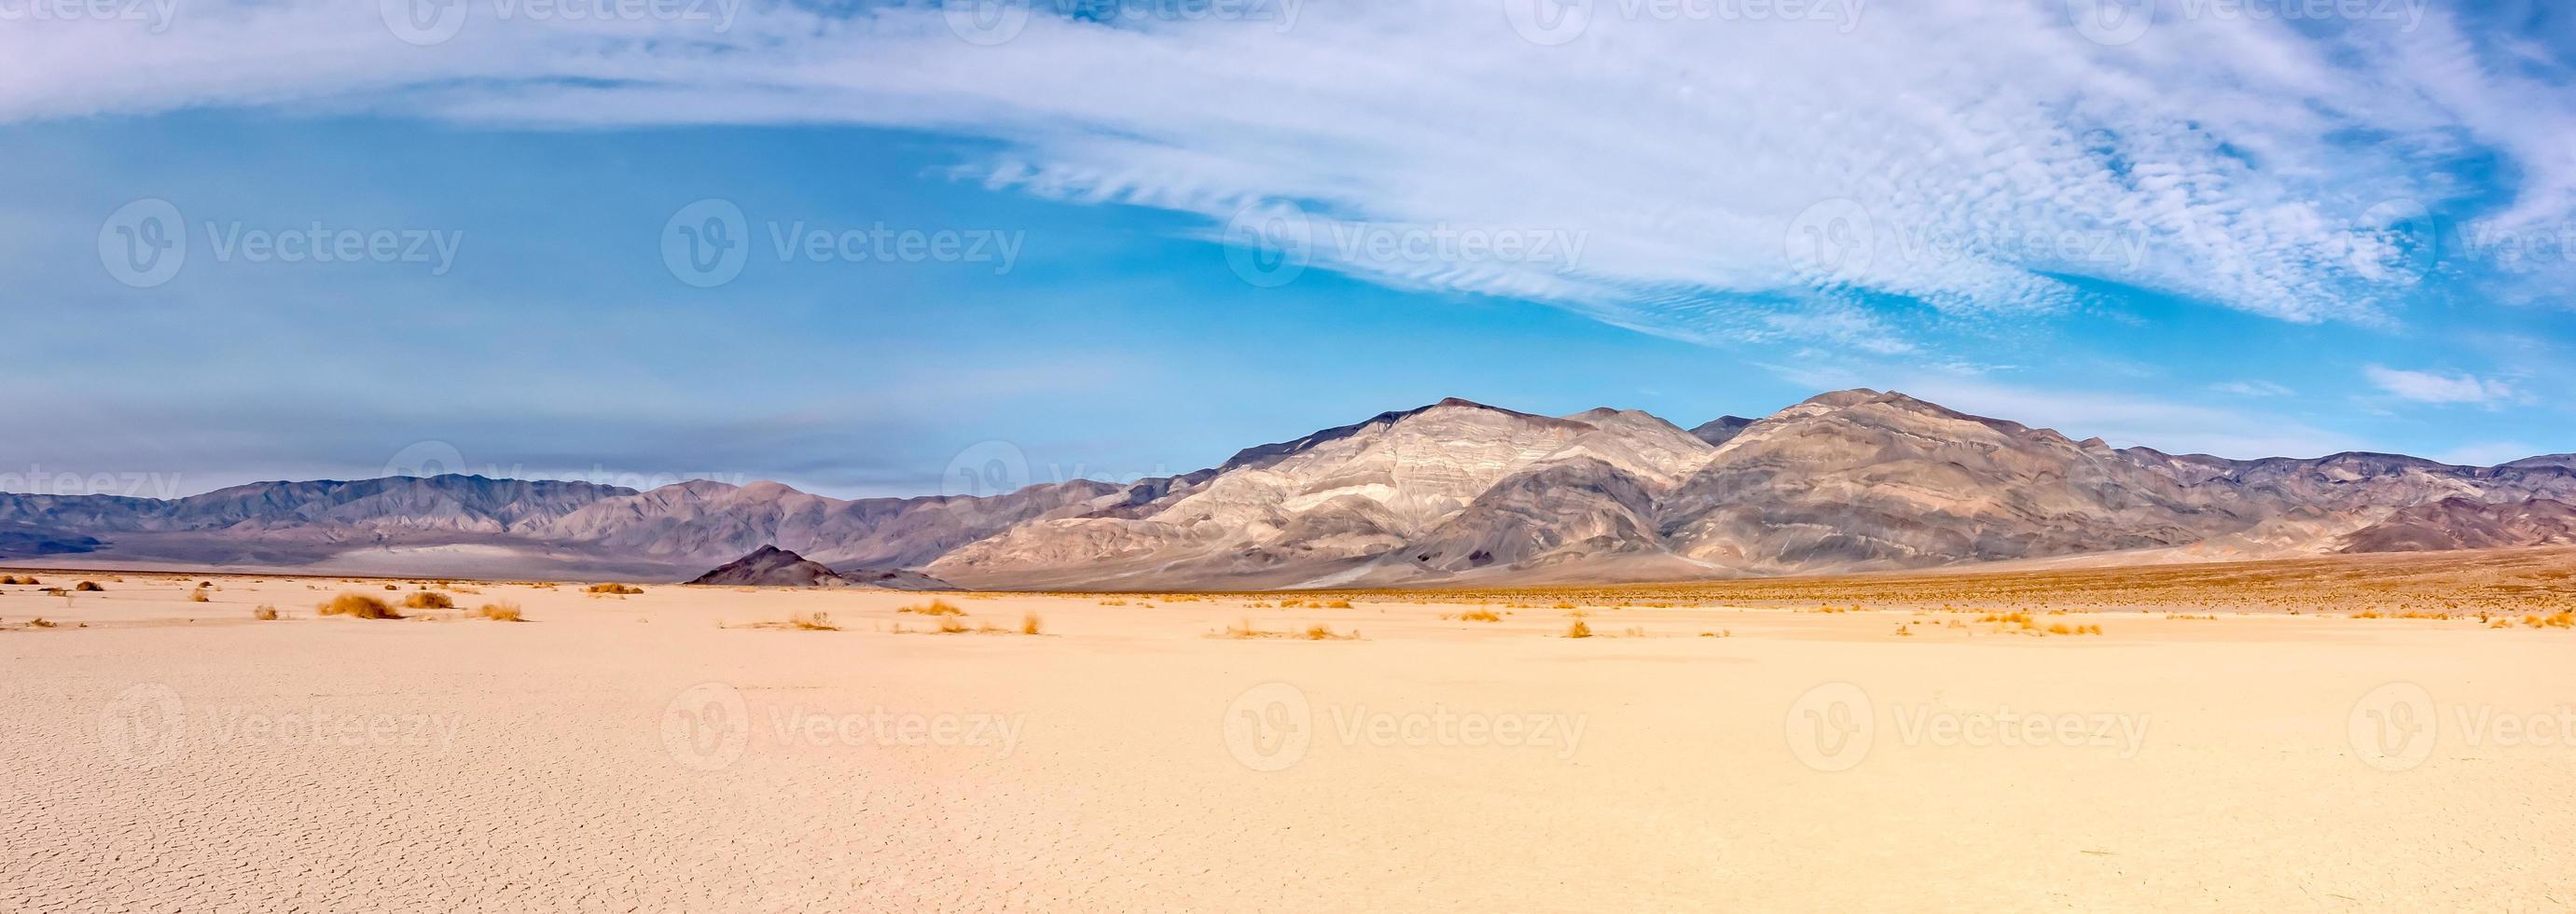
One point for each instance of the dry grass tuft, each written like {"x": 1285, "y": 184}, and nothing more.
{"x": 197, "y": 596}
{"x": 265, "y": 614}
{"x": 948, "y": 626}
{"x": 1479, "y": 615}
{"x": 40, "y": 622}
{"x": 500, "y": 612}
{"x": 1579, "y": 630}
{"x": 1030, "y": 624}
{"x": 426, "y": 599}
{"x": 88, "y": 587}
{"x": 620, "y": 590}
{"x": 357, "y": 605}
{"x": 816, "y": 622}
{"x": 14, "y": 579}
{"x": 938, "y": 607}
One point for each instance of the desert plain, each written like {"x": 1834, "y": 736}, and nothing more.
{"x": 2369, "y": 733}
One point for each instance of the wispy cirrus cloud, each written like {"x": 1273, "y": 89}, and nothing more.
{"x": 1728, "y": 177}
{"x": 2436, "y": 387}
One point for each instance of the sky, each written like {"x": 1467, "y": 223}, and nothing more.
{"x": 873, "y": 248}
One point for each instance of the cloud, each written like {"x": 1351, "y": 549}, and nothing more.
{"x": 2252, "y": 389}
{"x": 2433, "y": 387}
{"x": 1731, "y": 177}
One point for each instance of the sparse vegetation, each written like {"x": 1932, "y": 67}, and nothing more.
{"x": 40, "y": 622}
{"x": 1479, "y": 615}
{"x": 357, "y": 606}
{"x": 938, "y": 607}
{"x": 1578, "y": 630}
{"x": 197, "y": 596}
{"x": 618, "y": 590}
{"x": 264, "y": 613}
{"x": 88, "y": 587}
{"x": 1030, "y": 624}
{"x": 812, "y": 622}
{"x": 428, "y": 599}
{"x": 500, "y": 612}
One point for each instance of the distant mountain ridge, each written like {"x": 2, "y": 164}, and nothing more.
{"x": 1455, "y": 492}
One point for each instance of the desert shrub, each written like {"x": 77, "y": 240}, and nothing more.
{"x": 197, "y": 596}
{"x": 616, "y": 589}
{"x": 951, "y": 626}
{"x": 40, "y": 622}
{"x": 936, "y": 607}
{"x": 88, "y": 586}
{"x": 357, "y": 605}
{"x": 1480, "y": 615}
{"x": 1578, "y": 630}
{"x": 1030, "y": 624}
{"x": 428, "y": 599}
{"x": 816, "y": 622}
{"x": 393, "y": 587}
{"x": 500, "y": 612}
{"x": 265, "y": 614}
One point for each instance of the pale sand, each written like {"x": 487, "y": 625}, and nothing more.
{"x": 1119, "y": 762}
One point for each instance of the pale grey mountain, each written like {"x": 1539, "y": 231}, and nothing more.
{"x": 1454, "y": 492}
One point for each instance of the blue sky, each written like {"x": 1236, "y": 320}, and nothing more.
{"x": 1129, "y": 240}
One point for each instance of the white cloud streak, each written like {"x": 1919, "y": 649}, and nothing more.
{"x": 1731, "y": 178}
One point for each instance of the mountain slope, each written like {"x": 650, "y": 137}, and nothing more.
{"x": 1452, "y": 492}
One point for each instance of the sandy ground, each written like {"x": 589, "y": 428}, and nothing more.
{"x": 659, "y": 752}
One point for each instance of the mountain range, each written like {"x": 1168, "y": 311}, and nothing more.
{"x": 1453, "y": 493}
